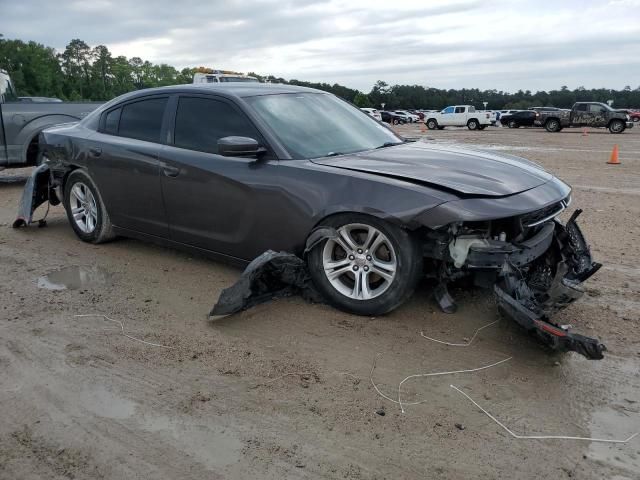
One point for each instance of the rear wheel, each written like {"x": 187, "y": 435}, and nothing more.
{"x": 85, "y": 210}
{"x": 472, "y": 124}
{"x": 512, "y": 124}
{"x": 432, "y": 124}
{"x": 370, "y": 268}
{"x": 616, "y": 126}
{"x": 395, "y": 121}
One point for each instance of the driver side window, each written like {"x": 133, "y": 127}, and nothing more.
{"x": 448, "y": 110}
{"x": 201, "y": 122}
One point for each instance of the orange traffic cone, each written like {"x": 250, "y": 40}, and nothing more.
{"x": 614, "y": 156}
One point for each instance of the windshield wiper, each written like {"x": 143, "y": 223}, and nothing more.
{"x": 389, "y": 144}
{"x": 334, "y": 154}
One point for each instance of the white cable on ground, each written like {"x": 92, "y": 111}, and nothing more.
{"x": 459, "y": 344}
{"x": 382, "y": 394}
{"x": 541, "y": 437}
{"x": 122, "y": 328}
{"x": 435, "y": 374}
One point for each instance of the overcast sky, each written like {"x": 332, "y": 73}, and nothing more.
{"x": 501, "y": 44}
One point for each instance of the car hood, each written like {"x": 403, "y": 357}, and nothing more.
{"x": 465, "y": 171}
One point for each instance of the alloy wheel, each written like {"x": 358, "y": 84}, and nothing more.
{"x": 83, "y": 207}
{"x": 360, "y": 262}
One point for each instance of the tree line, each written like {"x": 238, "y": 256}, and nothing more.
{"x": 82, "y": 72}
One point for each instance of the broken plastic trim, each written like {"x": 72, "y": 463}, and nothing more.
{"x": 37, "y": 191}
{"x": 531, "y": 308}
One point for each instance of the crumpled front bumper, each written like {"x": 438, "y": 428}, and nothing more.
{"x": 531, "y": 298}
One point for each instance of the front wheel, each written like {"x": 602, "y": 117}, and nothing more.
{"x": 432, "y": 124}
{"x": 472, "y": 124}
{"x": 395, "y": 121}
{"x": 85, "y": 210}
{"x": 513, "y": 124}
{"x": 616, "y": 126}
{"x": 370, "y": 268}
{"x": 553, "y": 125}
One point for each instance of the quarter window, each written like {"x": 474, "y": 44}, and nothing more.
{"x": 201, "y": 122}
{"x": 143, "y": 119}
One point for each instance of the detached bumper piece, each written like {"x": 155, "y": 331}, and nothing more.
{"x": 37, "y": 191}
{"x": 550, "y": 284}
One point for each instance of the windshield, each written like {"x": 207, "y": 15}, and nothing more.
{"x": 6, "y": 88}
{"x": 312, "y": 125}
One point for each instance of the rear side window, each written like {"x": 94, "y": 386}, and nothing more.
{"x": 143, "y": 120}
{"x": 111, "y": 121}
{"x": 201, "y": 122}
{"x": 459, "y": 109}
{"x": 582, "y": 107}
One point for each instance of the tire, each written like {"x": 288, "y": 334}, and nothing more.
{"x": 616, "y": 126}
{"x": 512, "y": 124}
{"x": 473, "y": 124}
{"x": 395, "y": 121}
{"x": 432, "y": 124}
{"x": 552, "y": 125}
{"x": 636, "y": 119}
{"x": 91, "y": 223}
{"x": 394, "y": 246}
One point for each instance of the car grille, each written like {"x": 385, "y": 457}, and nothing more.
{"x": 545, "y": 214}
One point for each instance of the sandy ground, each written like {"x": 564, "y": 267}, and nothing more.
{"x": 283, "y": 390}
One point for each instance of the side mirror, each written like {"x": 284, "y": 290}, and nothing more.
{"x": 240, "y": 147}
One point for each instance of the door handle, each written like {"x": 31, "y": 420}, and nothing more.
{"x": 95, "y": 151}
{"x": 170, "y": 171}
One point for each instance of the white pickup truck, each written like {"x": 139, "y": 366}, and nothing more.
{"x": 459, "y": 116}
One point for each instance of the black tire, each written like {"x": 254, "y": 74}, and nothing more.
{"x": 103, "y": 230}
{"x": 616, "y": 126}
{"x": 409, "y": 268}
{"x": 552, "y": 125}
{"x": 395, "y": 121}
{"x": 432, "y": 124}
{"x": 512, "y": 124}
{"x": 636, "y": 119}
{"x": 473, "y": 124}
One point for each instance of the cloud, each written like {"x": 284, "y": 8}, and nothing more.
{"x": 463, "y": 43}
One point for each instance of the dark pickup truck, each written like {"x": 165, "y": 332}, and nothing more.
{"x": 22, "y": 121}
{"x": 585, "y": 114}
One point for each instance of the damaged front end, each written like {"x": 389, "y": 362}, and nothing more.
{"x": 534, "y": 274}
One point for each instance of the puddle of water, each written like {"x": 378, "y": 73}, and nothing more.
{"x": 103, "y": 403}
{"x": 73, "y": 278}
{"x": 619, "y": 419}
{"x": 212, "y": 445}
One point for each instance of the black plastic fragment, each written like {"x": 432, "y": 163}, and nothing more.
{"x": 269, "y": 276}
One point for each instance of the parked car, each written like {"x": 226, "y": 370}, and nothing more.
{"x": 373, "y": 113}
{"x": 524, "y": 118}
{"x": 585, "y": 114}
{"x": 545, "y": 109}
{"x": 634, "y": 115}
{"x": 507, "y": 112}
{"x": 23, "y": 118}
{"x": 459, "y": 116}
{"x": 233, "y": 170}
{"x": 393, "y": 118}
{"x": 419, "y": 113}
{"x": 409, "y": 116}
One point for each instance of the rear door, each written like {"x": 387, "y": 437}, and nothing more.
{"x": 123, "y": 160}
{"x": 215, "y": 202}
{"x": 459, "y": 116}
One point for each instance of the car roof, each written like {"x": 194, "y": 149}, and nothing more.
{"x": 230, "y": 89}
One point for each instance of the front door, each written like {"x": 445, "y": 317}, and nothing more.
{"x": 216, "y": 202}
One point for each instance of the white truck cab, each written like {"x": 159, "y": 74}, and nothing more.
{"x": 208, "y": 75}
{"x": 459, "y": 116}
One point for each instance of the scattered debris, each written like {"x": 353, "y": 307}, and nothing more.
{"x": 381, "y": 412}
{"x": 459, "y": 426}
{"x": 542, "y": 437}
{"x": 466, "y": 344}
{"x": 300, "y": 374}
{"x": 122, "y": 328}
{"x": 269, "y": 276}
